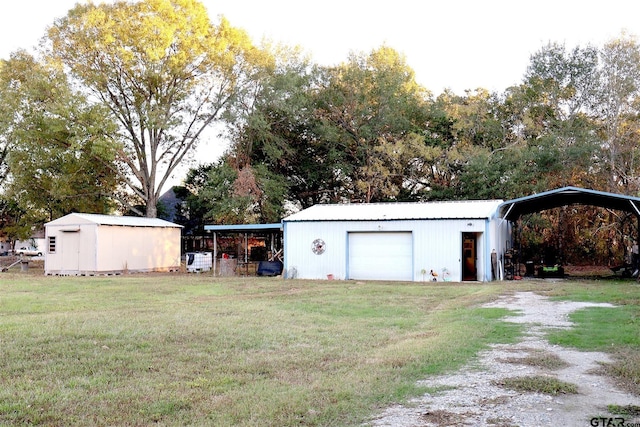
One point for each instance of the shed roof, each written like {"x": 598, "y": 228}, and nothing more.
{"x": 473, "y": 209}
{"x": 513, "y": 209}
{"x": 124, "y": 221}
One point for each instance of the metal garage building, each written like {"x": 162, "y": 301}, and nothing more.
{"x": 86, "y": 244}
{"x": 396, "y": 241}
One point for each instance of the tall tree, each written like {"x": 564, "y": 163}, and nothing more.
{"x": 284, "y": 131}
{"x": 469, "y": 128}
{"x": 618, "y": 107}
{"x": 164, "y": 71}
{"x": 375, "y": 106}
{"x": 354, "y": 132}
{"x": 561, "y": 85}
{"x": 225, "y": 195}
{"x": 62, "y": 156}
{"x": 9, "y": 104}
{"x": 276, "y": 125}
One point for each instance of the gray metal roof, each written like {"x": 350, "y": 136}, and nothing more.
{"x": 472, "y": 209}
{"x": 129, "y": 221}
{"x": 513, "y": 209}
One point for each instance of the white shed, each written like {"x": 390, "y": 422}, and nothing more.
{"x": 396, "y": 241}
{"x": 87, "y": 244}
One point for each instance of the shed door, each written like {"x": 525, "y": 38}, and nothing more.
{"x": 381, "y": 256}
{"x": 70, "y": 250}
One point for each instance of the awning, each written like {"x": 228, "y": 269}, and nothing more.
{"x": 244, "y": 228}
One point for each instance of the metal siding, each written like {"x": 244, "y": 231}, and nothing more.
{"x": 380, "y": 255}
{"x": 437, "y": 244}
{"x": 442, "y": 242}
{"x": 480, "y": 255}
{"x": 299, "y": 257}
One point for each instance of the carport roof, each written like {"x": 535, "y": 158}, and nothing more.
{"x": 513, "y": 209}
{"x": 244, "y": 228}
{"x": 471, "y": 209}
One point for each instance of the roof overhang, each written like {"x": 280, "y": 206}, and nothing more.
{"x": 244, "y": 228}
{"x": 513, "y": 209}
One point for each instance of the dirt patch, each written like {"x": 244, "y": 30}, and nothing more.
{"x": 474, "y": 396}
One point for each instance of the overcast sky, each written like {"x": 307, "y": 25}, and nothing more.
{"x": 459, "y": 44}
{"x": 456, "y": 44}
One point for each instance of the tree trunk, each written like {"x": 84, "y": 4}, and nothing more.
{"x": 152, "y": 203}
{"x": 152, "y": 209}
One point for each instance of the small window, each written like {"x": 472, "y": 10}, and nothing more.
{"x": 52, "y": 244}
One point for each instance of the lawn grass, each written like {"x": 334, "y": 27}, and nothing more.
{"x": 538, "y": 384}
{"x": 197, "y": 350}
{"x": 612, "y": 330}
{"x": 538, "y": 358}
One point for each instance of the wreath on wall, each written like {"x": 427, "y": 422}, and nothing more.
{"x": 318, "y": 246}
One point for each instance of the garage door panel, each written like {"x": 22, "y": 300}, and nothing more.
{"x": 381, "y": 256}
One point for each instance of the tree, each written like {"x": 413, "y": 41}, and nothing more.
{"x": 9, "y": 103}
{"x": 560, "y": 87}
{"x": 468, "y": 130}
{"x": 225, "y": 195}
{"x": 375, "y": 107}
{"x": 573, "y": 121}
{"x": 281, "y": 130}
{"x": 12, "y": 224}
{"x": 618, "y": 107}
{"x": 62, "y": 156}
{"x": 163, "y": 70}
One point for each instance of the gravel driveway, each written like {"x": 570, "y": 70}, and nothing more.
{"x": 471, "y": 397}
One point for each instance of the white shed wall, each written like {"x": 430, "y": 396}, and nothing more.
{"x": 437, "y": 245}
{"x": 74, "y": 249}
{"x": 83, "y": 247}
{"x": 137, "y": 248}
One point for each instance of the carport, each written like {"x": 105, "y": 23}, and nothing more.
{"x": 512, "y": 210}
{"x": 244, "y": 255}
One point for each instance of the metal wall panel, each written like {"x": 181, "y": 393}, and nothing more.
{"x": 437, "y": 245}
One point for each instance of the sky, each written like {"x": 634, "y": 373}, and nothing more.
{"x": 454, "y": 44}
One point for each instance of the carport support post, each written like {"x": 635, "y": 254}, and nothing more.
{"x": 246, "y": 253}
{"x": 215, "y": 252}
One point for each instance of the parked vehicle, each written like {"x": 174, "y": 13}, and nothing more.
{"x": 28, "y": 252}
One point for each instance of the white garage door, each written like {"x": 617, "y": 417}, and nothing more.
{"x": 381, "y": 256}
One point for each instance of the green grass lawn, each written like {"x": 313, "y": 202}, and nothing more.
{"x": 197, "y": 350}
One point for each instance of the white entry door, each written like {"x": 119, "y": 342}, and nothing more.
{"x": 70, "y": 250}
{"x": 381, "y": 256}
